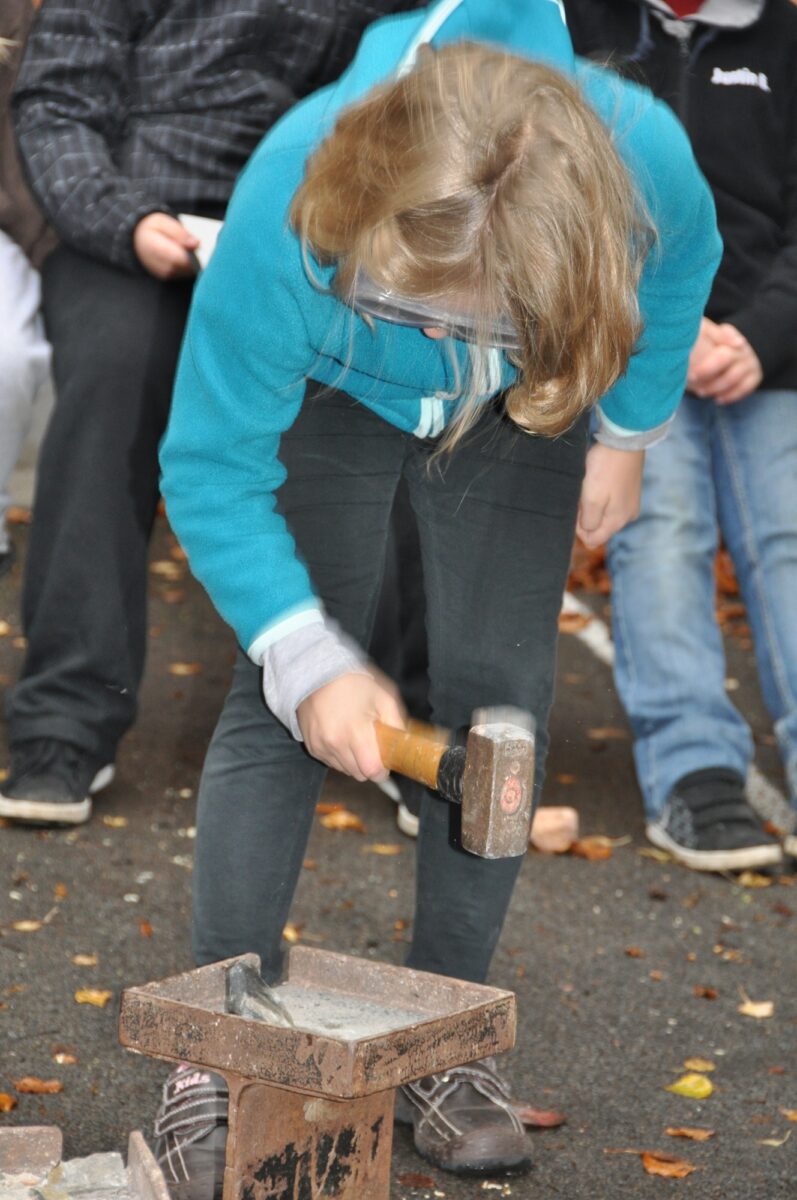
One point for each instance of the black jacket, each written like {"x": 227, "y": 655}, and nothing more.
{"x": 125, "y": 107}
{"x": 735, "y": 89}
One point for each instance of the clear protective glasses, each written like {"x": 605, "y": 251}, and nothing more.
{"x": 371, "y": 299}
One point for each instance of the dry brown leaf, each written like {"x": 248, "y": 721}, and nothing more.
{"x": 775, "y": 1141}
{"x": 64, "y": 1059}
{"x": 166, "y": 569}
{"x": 177, "y": 553}
{"x": 114, "y": 822}
{"x": 26, "y": 926}
{"x": 758, "y": 1009}
{"x": 656, "y": 1163}
{"x": 594, "y": 849}
{"x": 573, "y": 622}
{"x": 7, "y": 1102}
{"x": 413, "y": 1179}
{"x": 688, "y": 1131}
{"x": 386, "y": 849}
{"x": 789, "y": 1113}
{"x": 539, "y": 1118}
{"x": 310, "y": 864}
{"x": 700, "y": 1064}
{"x": 292, "y": 933}
{"x": 99, "y": 997}
{"x": 753, "y": 879}
{"x": 660, "y": 856}
{"x": 185, "y": 668}
{"x": 656, "y": 976}
{"x": 60, "y": 891}
{"x": 608, "y": 733}
{"x": 565, "y": 779}
{"x": 5, "y": 629}
{"x": 635, "y": 952}
{"x": 324, "y": 807}
{"x": 144, "y": 928}
{"x": 705, "y": 993}
{"x": 85, "y": 960}
{"x": 342, "y": 819}
{"x": 38, "y": 1087}
{"x": 16, "y": 514}
{"x": 693, "y": 1085}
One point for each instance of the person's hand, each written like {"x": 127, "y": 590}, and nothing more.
{"x": 610, "y": 492}
{"x": 723, "y": 365}
{"x": 162, "y": 246}
{"x": 337, "y": 723}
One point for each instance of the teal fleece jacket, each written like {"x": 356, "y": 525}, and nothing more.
{"x": 259, "y": 327}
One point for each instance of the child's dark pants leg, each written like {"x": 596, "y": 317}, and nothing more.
{"x": 496, "y": 531}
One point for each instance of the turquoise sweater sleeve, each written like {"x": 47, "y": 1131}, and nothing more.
{"x": 677, "y": 277}
{"x": 240, "y": 384}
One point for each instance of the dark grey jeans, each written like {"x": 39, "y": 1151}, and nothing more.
{"x": 495, "y": 521}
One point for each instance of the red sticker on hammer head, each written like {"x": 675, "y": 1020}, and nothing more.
{"x": 511, "y": 795}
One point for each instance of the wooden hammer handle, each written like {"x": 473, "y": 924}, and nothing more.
{"x": 409, "y": 753}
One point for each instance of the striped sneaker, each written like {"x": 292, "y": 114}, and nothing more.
{"x": 190, "y": 1131}
{"x": 463, "y": 1121}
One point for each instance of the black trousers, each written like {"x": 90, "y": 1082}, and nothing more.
{"x": 495, "y": 524}
{"x": 115, "y": 338}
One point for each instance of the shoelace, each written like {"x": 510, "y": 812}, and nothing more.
{"x": 185, "y": 1117}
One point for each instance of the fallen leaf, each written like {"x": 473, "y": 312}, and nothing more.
{"x": 573, "y": 622}
{"x": 656, "y": 1163}
{"x": 64, "y": 1060}
{"x": 16, "y": 514}
{"x": 166, "y": 569}
{"x": 700, "y": 1064}
{"x": 565, "y": 779}
{"x": 85, "y": 960}
{"x": 777, "y": 1071}
{"x": 114, "y": 822}
{"x": 342, "y": 819}
{"x": 782, "y": 910}
{"x": 177, "y": 553}
{"x": 26, "y": 926}
{"x": 789, "y": 1113}
{"x": 660, "y": 856}
{"x": 5, "y": 629}
{"x": 310, "y": 864}
{"x": 173, "y": 595}
{"x": 656, "y": 976}
{"x": 658, "y": 893}
{"x": 292, "y": 933}
{"x": 185, "y": 668}
{"x": 753, "y": 879}
{"x": 775, "y": 1141}
{"x": 412, "y": 1179}
{"x": 705, "y": 993}
{"x": 386, "y": 849}
{"x": 38, "y": 1087}
{"x": 594, "y": 849}
{"x": 60, "y": 891}
{"x": 687, "y": 1131}
{"x": 99, "y": 997}
{"x": 20, "y": 643}
{"x": 539, "y": 1118}
{"x": 635, "y": 952}
{"x": 144, "y": 928}
{"x": 324, "y": 807}
{"x": 759, "y": 1009}
{"x": 7, "y": 1102}
{"x": 608, "y": 733}
{"x": 692, "y": 1085}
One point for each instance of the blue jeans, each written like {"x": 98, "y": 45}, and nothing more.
{"x": 734, "y": 469}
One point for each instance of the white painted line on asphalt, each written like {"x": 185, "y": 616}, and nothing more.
{"x": 767, "y": 800}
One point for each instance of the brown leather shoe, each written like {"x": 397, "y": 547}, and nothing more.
{"x": 463, "y": 1121}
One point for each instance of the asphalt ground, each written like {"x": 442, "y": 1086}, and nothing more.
{"x": 624, "y": 968}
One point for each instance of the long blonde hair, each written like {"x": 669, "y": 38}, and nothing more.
{"x": 484, "y": 179}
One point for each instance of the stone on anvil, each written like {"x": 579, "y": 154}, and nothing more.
{"x": 30, "y": 1149}
{"x": 95, "y": 1177}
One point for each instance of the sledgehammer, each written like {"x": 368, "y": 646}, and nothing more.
{"x": 492, "y": 776}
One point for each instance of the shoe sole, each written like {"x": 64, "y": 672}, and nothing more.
{"x": 520, "y": 1167}
{"x": 52, "y": 813}
{"x": 715, "y": 860}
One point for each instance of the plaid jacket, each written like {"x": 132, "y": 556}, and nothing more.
{"x": 125, "y": 107}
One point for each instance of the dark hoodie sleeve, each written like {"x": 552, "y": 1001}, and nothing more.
{"x": 70, "y": 107}
{"x": 769, "y": 320}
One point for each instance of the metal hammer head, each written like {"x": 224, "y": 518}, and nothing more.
{"x": 498, "y": 790}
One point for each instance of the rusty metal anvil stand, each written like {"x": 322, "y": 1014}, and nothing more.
{"x": 311, "y": 1107}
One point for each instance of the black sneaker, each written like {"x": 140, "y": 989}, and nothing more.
{"x": 191, "y": 1133}
{"x": 463, "y": 1121}
{"x": 52, "y": 782}
{"x": 708, "y": 825}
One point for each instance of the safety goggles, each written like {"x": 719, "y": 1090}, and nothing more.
{"x": 370, "y": 299}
